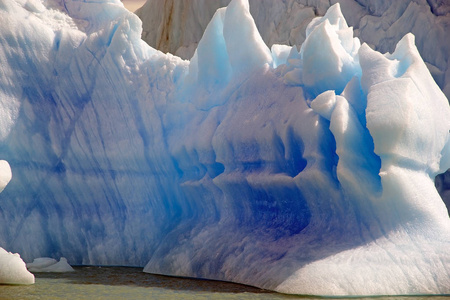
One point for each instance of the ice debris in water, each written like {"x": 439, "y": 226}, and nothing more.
{"x": 47, "y": 264}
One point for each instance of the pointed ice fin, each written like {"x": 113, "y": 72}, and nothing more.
{"x": 210, "y": 65}
{"x": 334, "y": 17}
{"x": 329, "y": 53}
{"x": 246, "y": 48}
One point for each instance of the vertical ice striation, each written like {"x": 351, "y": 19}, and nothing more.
{"x": 305, "y": 170}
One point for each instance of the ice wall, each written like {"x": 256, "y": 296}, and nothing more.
{"x": 306, "y": 171}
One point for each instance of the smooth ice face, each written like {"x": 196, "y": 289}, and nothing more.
{"x": 244, "y": 164}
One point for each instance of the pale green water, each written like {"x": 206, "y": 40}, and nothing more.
{"x": 131, "y": 283}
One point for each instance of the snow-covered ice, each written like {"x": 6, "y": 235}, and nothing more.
{"x": 264, "y": 166}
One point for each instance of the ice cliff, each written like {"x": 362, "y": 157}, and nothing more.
{"x": 303, "y": 170}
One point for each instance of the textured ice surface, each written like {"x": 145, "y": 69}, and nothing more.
{"x": 244, "y": 164}
{"x": 177, "y": 26}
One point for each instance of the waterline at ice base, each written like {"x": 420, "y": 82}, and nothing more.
{"x": 306, "y": 170}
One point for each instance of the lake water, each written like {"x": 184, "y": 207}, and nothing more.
{"x": 131, "y": 283}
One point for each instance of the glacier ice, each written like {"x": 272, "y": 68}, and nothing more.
{"x": 244, "y": 164}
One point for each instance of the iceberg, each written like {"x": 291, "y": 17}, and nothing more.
{"x": 47, "y": 264}
{"x": 304, "y": 170}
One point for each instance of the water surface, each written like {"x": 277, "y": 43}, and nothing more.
{"x": 131, "y": 283}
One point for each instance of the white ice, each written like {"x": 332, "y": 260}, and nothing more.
{"x": 47, "y": 264}
{"x": 12, "y": 267}
{"x": 5, "y": 174}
